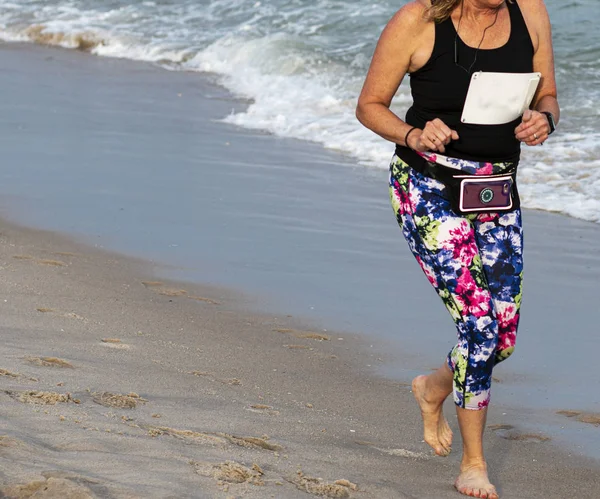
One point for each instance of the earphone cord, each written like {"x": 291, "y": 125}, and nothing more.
{"x": 478, "y": 46}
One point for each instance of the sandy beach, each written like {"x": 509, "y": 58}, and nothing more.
{"x": 122, "y": 377}
{"x": 117, "y": 385}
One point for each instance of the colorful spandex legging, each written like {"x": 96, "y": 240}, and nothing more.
{"x": 475, "y": 264}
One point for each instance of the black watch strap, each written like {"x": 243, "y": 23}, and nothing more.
{"x": 550, "y": 121}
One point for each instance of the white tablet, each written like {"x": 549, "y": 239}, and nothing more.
{"x": 498, "y": 98}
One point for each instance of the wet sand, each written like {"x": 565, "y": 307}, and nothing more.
{"x": 117, "y": 382}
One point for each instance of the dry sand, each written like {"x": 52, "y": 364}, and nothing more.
{"x": 116, "y": 385}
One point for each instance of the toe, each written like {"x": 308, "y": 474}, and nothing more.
{"x": 437, "y": 446}
{"x": 440, "y": 450}
{"x": 464, "y": 490}
{"x": 446, "y": 442}
{"x": 471, "y": 492}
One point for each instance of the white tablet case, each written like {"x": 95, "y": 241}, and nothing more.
{"x": 498, "y": 98}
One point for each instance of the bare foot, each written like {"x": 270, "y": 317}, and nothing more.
{"x": 436, "y": 431}
{"x": 474, "y": 482}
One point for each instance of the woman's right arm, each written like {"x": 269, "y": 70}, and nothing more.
{"x": 398, "y": 51}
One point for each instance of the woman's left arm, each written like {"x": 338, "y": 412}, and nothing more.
{"x": 535, "y": 127}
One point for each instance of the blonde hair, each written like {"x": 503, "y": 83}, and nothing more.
{"x": 440, "y": 10}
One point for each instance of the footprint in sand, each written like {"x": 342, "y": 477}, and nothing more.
{"x": 394, "y": 452}
{"x": 159, "y": 287}
{"x": 107, "y": 399}
{"x": 64, "y": 253}
{"x": 303, "y": 334}
{"x": 42, "y": 398}
{"x": 50, "y": 487}
{"x": 219, "y": 439}
{"x": 52, "y": 263}
{"x": 204, "y": 299}
{"x": 582, "y": 417}
{"x": 526, "y": 437}
{"x": 263, "y": 409}
{"x": 230, "y": 472}
{"x": 318, "y": 487}
{"x": 41, "y": 261}
{"x": 172, "y": 292}
{"x": 188, "y": 435}
{"x": 252, "y": 442}
{"x": 500, "y": 427}
{"x": 114, "y": 343}
{"x": 49, "y": 362}
{"x": 509, "y": 432}
{"x": 10, "y": 374}
{"x": 589, "y": 419}
{"x": 22, "y": 257}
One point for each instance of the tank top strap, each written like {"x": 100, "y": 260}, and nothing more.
{"x": 519, "y": 31}
{"x": 444, "y": 37}
{"x": 515, "y": 12}
{"x": 444, "y": 31}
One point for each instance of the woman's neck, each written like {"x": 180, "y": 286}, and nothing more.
{"x": 480, "y": 10}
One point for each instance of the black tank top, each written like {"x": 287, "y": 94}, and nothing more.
{"x": 439, "y": 90}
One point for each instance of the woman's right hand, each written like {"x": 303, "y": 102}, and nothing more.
{"x": 434, "y": 137}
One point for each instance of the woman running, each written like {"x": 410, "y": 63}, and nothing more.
{"x": 472, "y": 258}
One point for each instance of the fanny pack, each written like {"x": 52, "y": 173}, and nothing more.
{"x": 484, "y": 193}
{"x": 468, "y": 191}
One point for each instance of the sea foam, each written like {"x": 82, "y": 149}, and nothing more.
{"x": 302, "y": 66}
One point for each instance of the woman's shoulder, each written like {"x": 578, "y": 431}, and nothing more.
{"x": 531, "y": 4}
{"x": 412, "y": 16}
{"x": 536, "y": 18}
{"x": 532, "y": 8}
{"x": 416, "y": 8}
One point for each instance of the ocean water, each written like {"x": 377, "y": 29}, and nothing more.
{"x": 302, "y": 63}
{"x": 104, "y": 149}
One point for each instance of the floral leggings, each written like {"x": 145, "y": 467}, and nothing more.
{"x": 475, "y": 264}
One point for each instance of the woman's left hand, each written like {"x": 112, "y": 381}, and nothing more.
{"x": 534, "y": 129}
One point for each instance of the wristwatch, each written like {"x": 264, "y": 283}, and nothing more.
{"x": 551, "y": 123}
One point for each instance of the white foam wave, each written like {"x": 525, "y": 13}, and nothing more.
{"x": 291, "y": 98}
{"x": 563, "y": 176}
{"x": 304, "y": 86}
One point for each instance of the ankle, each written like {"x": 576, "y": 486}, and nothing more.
{"x": 432, "y": 398}
{"x": 429, "y": 392}
{"x": 473, "y": 464}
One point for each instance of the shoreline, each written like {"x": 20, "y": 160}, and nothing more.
{"x": 134, "y": 158}
{"x": 170, "y": 373}
{"x": 281, "y": 362}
